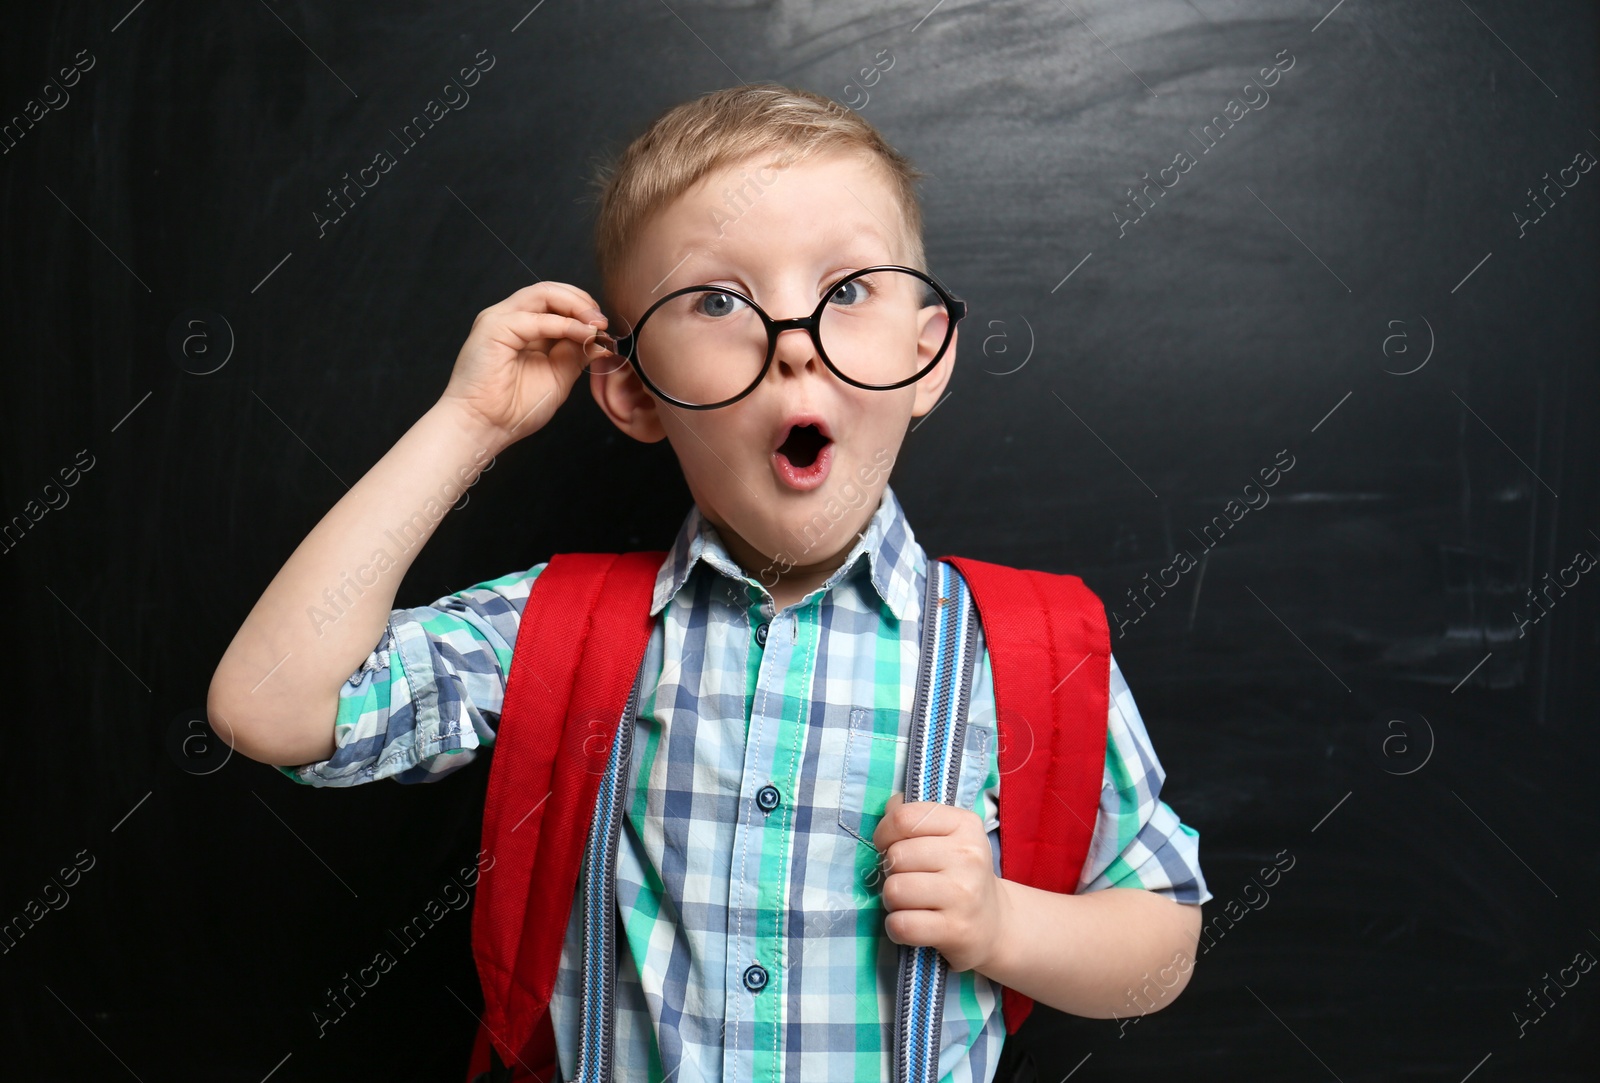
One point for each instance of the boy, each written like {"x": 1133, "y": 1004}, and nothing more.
{"x": 783, "y": 655}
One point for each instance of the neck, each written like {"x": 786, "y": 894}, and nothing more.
{"x": 787, "y": 583}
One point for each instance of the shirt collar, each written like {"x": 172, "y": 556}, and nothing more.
{"x": 893, "y": 556}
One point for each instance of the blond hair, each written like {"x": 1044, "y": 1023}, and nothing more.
{"x": 726, "y": 127}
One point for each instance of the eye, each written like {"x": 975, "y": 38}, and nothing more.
{"x": 717, "y": 304}
{"x": 850, "y": 293}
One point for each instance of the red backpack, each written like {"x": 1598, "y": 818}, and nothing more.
{"x": 555, "y": 735}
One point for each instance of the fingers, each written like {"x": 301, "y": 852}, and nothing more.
{"x": 918, "y": 928}
{"x": 524, "y": 330}
{"x": 925, "y": 853}
{"x": 566, "y": 340}
{"x": 917, "y": 891}
{"x": 588, "y": 306}
{"x": 903, "y": 820}
{"x": 560, "y": 297}
{"x": 603, "y": 343}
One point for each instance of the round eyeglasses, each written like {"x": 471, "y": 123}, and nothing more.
{"x": 878, "y": 328}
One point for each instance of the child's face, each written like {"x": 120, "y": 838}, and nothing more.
{"x": 782, "y": 242}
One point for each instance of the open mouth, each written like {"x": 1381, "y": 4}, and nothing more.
{"x": 802, "y": 446}
{"x": 803, "y": 458}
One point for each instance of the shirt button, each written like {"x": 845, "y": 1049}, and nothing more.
{"x": 761, "y": 634}
{"x": 768, "y": 797}
{"x": 755, "y": 977}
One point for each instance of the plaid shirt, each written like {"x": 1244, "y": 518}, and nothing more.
{"x": 815, "y": 701}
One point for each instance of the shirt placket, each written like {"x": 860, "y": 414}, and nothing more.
{"x": 779, "y": 677}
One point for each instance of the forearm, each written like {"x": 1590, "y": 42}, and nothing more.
{"x": 275, "y": 691}
{"x": 1094, "y": 954}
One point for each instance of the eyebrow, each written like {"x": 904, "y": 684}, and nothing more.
{"x": 835, "y": 243}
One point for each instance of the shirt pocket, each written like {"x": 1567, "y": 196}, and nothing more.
{"x": 874, "y": 769}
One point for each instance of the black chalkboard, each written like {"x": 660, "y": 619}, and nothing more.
{"x": 1347, "y": 246}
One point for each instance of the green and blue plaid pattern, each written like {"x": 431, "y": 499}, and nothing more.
{"x": 754, "y": 943}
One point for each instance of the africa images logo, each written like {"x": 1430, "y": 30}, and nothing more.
{"x": 454, "y": 95}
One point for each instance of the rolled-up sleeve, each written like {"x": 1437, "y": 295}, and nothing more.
{"x": 1138, "y": 839}
{"x": 430, "y": 693}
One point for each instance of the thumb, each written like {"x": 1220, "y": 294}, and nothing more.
{"x": 885, "y": 834}
{"x": 599, "y": 353}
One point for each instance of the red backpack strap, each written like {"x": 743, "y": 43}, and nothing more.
{"x": 550, "y": 750}
{"x": 1050, "y": 652}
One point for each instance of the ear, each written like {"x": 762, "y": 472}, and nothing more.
{"x": 931, "y": 387}
{"x": 623, "y": 398}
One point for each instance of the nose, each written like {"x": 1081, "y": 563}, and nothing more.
{"x": 795, "y": 350}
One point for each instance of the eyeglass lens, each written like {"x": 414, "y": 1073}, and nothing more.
{"x": 706, "y": 346}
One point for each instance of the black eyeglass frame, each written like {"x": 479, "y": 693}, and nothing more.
{"x": 628, "y": 344}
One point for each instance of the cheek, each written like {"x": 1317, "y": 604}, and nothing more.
{"x": 879, "y": 432}
{"x": 715, "y": 450}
